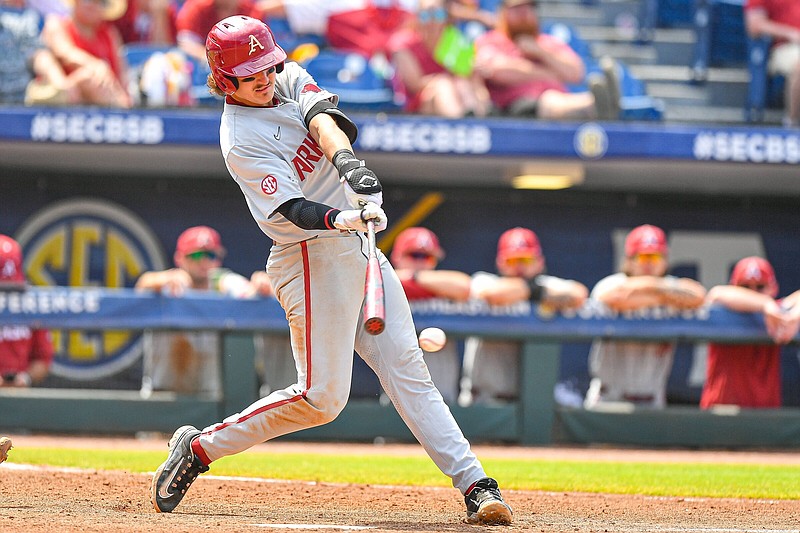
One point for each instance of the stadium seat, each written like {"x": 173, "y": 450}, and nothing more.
{"x": 635, "y": 104}
{"x": 359, "y": 86}
{"x": 569, "y": 35}
{"x": 137, "y": 54}
{"x": 721, "y": 37}
{"x": 764, "y": 91}
{"x": 288, "y": 39}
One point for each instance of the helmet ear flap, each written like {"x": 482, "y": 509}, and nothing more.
{"x": 229, "y": 84}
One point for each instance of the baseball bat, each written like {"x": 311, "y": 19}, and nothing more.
{"x": 374, "y": 302}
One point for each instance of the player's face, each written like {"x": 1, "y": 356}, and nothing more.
{"x": 526, "y": 266}
{"x": 417, "y": 260}
{"x": 257, "y": 90}
{"x": 200, "y": 263}
{"x": 649, "y": 264}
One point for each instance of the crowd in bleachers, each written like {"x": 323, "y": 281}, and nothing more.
{"x": 151, "y": 53}
{"x": 435, "y": 57}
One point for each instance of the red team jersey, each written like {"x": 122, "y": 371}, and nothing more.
{"x": 747, "y": 375}
{"x": 414, "y": 291}
{"x": 199, "y": 16}
{"x": 20, "y": 345}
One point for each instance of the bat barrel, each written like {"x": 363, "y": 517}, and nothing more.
{"x": 374, "y": 311}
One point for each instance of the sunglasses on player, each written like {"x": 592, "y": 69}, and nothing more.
{"x": 758, "y": 287}
{"x": 203, "y": 254}
{"x": 648, "y": 258}
{"x": 420, "y": 256}
{"x": 519, "y": 261}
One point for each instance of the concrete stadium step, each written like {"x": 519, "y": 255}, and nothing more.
{"x": 573, "y": 13}
{"x": 724, "y": 86}
{"x": 678, "y": 93}
{"x": 681, "y": 114}
{"x": 669, "y": 46}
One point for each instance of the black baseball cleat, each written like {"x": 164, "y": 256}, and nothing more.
{"x": 175, "y": 475}
{"x": 485, "y": 504}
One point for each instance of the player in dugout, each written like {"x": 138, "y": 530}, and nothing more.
{"x": 25, "y": 353}
{"x": 288, "y": 147}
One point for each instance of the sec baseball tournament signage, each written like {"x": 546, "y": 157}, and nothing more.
{"x": 419, "y": 134}
{"x": 85, "y": 242}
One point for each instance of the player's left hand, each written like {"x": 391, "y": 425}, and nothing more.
{"x": 356, "y": 219}
{"x": 361, "y": 185}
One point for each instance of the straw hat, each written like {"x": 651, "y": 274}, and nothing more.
{"x": 112, "y": 9}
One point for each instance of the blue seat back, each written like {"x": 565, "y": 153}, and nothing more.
{"x": 354, "y": 79}
{"x": 763, "y": 91}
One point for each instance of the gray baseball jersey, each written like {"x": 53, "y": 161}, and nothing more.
{"x": 632, "y": 371}
{"x": 318, "y": 277}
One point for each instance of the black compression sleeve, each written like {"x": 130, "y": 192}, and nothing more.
{"x": 537, "y": 289}
{"x": 306, "y": 214}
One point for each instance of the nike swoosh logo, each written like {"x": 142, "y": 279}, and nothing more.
{"x": 278, "y": 135}
{"x": 162, "y": 490}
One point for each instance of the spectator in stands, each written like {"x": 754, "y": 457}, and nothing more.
{"x": 29, "y": 72}
{"x": 189, "y": 361}
{"x": 25, "y": 353}
{"x": 196, "y": 18}
{"x": 491, "y": 367}
{"x": 149, "y": 22}
{"x": 415, "y": 255}
{"x": 780, "y": 20}
{"x": 635, "y": 371}
{"x": 306, "y": 16}
{"x": 471, "y": 11}
{"x": 427, "y": 86}
{"x": 749, "y": 375}
{"x": 89, "y": 49}
{"x": 527, "y": 72}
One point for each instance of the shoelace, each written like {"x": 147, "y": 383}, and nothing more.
{"x": 188, "y": 474}
{"x": 487, "y": 493}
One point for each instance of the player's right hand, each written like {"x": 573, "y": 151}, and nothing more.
{"x": 361, "y": 185}
{"x": 177, "y": 283}
{"x": 356, "y": 219}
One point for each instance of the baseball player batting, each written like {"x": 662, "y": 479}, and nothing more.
{"x": 289, "y": 148}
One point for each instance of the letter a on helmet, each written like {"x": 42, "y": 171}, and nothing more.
{"x": 240, "y": 46}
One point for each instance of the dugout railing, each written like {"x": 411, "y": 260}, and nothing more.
{"x": 535, "y": 419}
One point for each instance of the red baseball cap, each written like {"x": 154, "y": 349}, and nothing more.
{"x": 518, "y": 242}
{"x": 199, "y": 238}
{"x": 756, "y": 271}
{"x": 10, "y": 261}
{"x": 416, "y": 239}
{"x": 645, "y": 239}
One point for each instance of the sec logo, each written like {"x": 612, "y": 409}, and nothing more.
{"x": 591, "y": 141}
{"x": 269, "y": 184}
{"x": 87, "y": 242}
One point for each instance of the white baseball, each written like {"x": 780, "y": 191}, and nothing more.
{"x": 432, "y": 339}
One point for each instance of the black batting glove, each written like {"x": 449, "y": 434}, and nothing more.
{"x": 361, "y": 185}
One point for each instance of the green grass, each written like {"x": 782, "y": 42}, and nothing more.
{"x": 658, "y": 479}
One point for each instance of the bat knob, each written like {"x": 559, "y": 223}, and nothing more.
{"x": 375, "y": 326}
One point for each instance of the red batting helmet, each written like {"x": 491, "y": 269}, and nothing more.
{"x": 755, "y": 271}
{"x": 518, "y": 242}
{"x": 199, "y": 238}
{"x": 645, "y": 239}
{"x": 416, "y": 239}
{"x": 10, "y": 260}
{"x": 241, "y": 46}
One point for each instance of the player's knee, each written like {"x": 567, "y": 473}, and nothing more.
{"x": 327, "y": 404}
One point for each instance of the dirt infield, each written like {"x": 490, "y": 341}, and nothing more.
{"x": 57, "y": 500}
